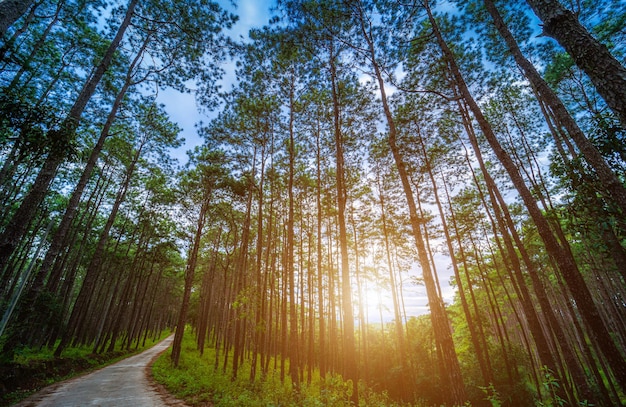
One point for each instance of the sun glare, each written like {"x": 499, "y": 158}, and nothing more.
{"x": 377, "y": 302}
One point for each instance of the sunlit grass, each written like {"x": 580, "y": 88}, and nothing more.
{"x": 197, "y": 383}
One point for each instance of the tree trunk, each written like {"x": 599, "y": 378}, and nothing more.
{"x": 392, "y": 282}
{"x": 259, "y": 293}
{"x": 594, "y": 58}
{"x": 11, "y": 11}
{"x": 189, "y": 276}
{"x": 241, "y": 266}
{"x": 294, "y": 345}
{"x": 483, "y": 359}
{"x": 350, "y": 362}
{"x": 320, "y": 277}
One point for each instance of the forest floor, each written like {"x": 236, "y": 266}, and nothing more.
{"x": 127, "y": 382}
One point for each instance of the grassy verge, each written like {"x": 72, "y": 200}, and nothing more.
{"x": 197, "y": 383}
{"x": 33, "y": 369}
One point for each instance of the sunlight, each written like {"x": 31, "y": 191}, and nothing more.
{"x": 377, "y": 302}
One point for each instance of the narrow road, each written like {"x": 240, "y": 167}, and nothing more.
{"x": 121, "y": 384}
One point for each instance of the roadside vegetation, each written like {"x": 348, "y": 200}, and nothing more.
{"x": 197, "y": 382}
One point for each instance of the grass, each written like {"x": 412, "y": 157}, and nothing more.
{"x": 197, "y": 383}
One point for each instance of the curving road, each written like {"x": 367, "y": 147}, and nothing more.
{"x": 124, "y": 383}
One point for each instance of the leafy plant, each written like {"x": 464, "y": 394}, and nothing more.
{"x": 492, "y": 395}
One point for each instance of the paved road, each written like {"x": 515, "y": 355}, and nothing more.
{"x": 122, "y": 384}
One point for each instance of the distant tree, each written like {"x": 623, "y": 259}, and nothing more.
{"x": 199, "y": 183}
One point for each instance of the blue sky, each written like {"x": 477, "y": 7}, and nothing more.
{"x": 181, "y": 107}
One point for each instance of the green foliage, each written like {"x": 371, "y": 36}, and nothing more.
{"x": 551, "y": 386}
{"x": 491, "y": 395}
{"x": 559, "y": 68}
{"x": 196, "y": 382}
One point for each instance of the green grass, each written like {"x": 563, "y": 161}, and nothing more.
{"x": 197, "y": 383}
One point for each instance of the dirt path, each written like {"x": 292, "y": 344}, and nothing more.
{"x": 124, "y": 383}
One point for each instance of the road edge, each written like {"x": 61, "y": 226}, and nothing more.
{"x": 168, "y": 398}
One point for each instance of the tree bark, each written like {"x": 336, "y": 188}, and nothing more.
{"x": 594, "y": 58}
{"x": 10, "y": 12}
{"x": 350, "y": 362}
{"x": 320, "y": 277}
{"x": 189, "y": 276}
{"x": 294, "y": 345}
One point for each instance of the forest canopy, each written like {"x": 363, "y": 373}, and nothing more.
{"x": 470, "y": 151}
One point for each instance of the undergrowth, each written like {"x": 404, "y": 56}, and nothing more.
{"x": 197, "y": 383}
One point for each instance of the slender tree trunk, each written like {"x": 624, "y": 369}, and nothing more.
{"x": 350, "y": 362}
{"x": 482, "y": 359}
{"x": 294, "y": 345}
{"x": 311, "y": 308}
{"x": 241, "y": 266}
{"x": 392, "y": 282}
{"x": 362, "y": 320}
{"x": 259, "y": 293}
{"x": 320, "y": 277}
{"x": 443, "y": 336}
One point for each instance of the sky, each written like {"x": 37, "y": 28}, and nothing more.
{"x": 182, "y": 107}
{"x": 183, "y": 110}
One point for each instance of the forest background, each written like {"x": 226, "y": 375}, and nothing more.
{"x": 355, "y": 150}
